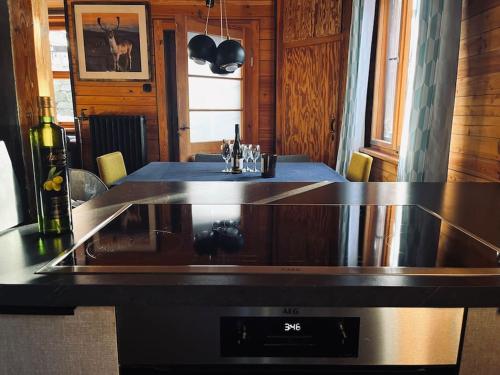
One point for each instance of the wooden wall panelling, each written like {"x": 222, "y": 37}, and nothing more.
{"x": 32, "y": 70}
{"x": 298, "y": 20}
{"x": 252, "y": 69}
{"x": 383, "y": 170}
{"x": 243, "y": 9}
{"x": 42, "y": 48}
{"x": 182, "y": 87}
{"x": 310, "y": 76}
{"x": 55, "y": 4}
{"x": 309, "y": 100}
{"x": 159, "y": 27}
{"x": 114, "y": 97}
{"x": 267, "y": 83}
{"x": 328, "y": 14}
{"x": 475, "y": 139}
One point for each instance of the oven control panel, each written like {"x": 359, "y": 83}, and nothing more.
{"x": 289, "y": 335}
{"x": 330, "y": 337}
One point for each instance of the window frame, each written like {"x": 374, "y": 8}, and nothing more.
{"x": 235, "y": 34}
{"x": 377, "y": 143}
{"x": 54, "y": 25}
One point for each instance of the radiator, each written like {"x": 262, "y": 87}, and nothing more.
{"x": 126, "y": 134}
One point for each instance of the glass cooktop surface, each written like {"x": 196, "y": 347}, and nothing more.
{"x": 273, "y": 238}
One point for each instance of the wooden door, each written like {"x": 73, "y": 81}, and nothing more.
{"x": 312, "y": 45}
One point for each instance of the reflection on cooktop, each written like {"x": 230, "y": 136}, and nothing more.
{"x": 281, "y": 235}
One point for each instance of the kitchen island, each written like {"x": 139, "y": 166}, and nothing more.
{"x": 472, "y": 208}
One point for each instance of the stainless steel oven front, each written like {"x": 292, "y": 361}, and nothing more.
{"x": 289, "y": 335}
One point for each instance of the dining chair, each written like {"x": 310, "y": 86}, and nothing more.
{"x": 111, "y": 167}
{"x": 84, "y": 186}
{"x": 359, "y": 167}
{"x": 299, "y": 158}
{"x": 11, "y": 212}
{"x": 208, "y": 158}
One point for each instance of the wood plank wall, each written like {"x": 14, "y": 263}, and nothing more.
{"x": 29, "y": 29}
{"x": 384, "y": 168}
{"x": 130, "y": 98}
{"x": 475, "y": 140}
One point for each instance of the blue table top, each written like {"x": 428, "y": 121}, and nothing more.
{"x": 195, "y": 171}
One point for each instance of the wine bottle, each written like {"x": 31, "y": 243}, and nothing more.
{"x": 48, "y": 148}
{"x": 237, "y": 152}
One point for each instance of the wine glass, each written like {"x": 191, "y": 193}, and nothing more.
{"x": 249, "y": 155}
{"x": 250, "y": 158}
{"x": 225, "y": 151}
{"x": 244, "y": 154}
{"x": 255, "y": 156}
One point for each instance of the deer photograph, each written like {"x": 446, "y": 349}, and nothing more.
{"x": 112, "y": 42}
{"x": 117, "y": 48}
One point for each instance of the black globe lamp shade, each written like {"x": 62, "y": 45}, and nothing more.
{"x": 229, "y": 56}
{"x": 202, "y": 48}
{"x": 217, "y": 70}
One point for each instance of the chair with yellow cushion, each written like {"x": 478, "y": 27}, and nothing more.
{"x": 111, "y": 167}
{"x": 359, "y": 167}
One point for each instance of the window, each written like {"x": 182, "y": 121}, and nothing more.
{"x": 390, "y": 74}
{"x": 215, "y": 101}
{"x": 60, "y": 72}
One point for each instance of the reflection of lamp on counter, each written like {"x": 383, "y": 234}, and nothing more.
{"x": 225, "y": 235}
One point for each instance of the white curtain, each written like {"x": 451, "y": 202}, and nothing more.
{"x": 430, "y": 96}
{"x": 352, "y": 133}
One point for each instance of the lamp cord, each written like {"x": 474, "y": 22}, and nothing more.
{"x": 206, "y": 23}
{"x": 221, "y": 29}
{"x": 225, "y": 15}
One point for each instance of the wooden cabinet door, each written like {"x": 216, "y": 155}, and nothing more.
{"x": 312, "y": 44}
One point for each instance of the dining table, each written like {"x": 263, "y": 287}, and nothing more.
{"x": 213, "y": 171}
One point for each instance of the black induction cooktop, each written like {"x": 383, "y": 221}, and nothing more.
{"x": 330, "y": 239}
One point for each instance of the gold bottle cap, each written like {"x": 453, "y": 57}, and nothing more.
{"x": 45, "y": 104}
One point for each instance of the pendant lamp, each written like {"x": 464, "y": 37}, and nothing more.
{"x": 223, "y": 59}
{"x": 201, "y": 48}
{"x": 230, "y": 55}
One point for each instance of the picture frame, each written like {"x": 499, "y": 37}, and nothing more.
{"x": 112, "y": 41}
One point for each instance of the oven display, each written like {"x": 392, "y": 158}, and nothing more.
{"x": 289, "y": 337}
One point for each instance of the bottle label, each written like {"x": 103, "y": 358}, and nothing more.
{"x": 54, "y": 183}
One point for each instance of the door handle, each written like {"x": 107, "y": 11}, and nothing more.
{"x": 181, "y": 129}
{"x": 333, "y": 127}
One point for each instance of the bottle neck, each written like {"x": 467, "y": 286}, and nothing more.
{"x": 46, "y": 119}
{"x": 237, "y": 133}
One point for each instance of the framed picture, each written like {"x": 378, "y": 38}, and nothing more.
{"x": 112, "y": 41}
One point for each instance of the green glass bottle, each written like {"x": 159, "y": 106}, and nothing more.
{"x": 48, "y": 147}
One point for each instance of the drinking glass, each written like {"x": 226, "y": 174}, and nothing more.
{"x": 244, "y": 154}
{"x": 255, "y": 156}
{"x": 231, "y": 144}
{"x": 250, "y": 158}
{"x": 225, "y": 150}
